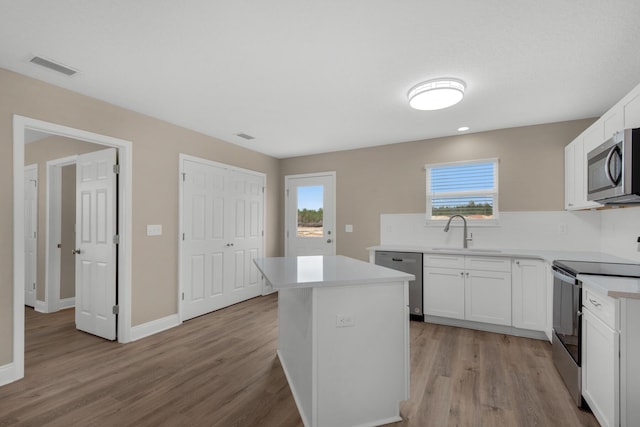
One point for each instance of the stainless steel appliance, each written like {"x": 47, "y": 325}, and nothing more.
{"x": 613, "y": 169}
{"x": 566, "y": 345}
{"x": 408, "y": 262}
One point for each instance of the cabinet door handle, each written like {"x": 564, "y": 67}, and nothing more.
{"x": 594, "y": 302}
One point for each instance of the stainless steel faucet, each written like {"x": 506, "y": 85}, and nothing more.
{"x": 464, "y": 236}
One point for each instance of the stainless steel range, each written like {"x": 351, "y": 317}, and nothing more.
{"x": 567, "y": 315}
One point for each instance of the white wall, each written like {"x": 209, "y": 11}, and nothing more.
{"x": 619, "y": 232}
{"x": 612, "y": 231}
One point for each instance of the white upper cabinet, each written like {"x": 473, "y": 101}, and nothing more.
{"x": 575, "y": 196}
{"x": 630, "y": 108}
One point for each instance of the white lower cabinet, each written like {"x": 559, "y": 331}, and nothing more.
{"x": 487, "y": 296}
{"x": 468, "y": 288}
{"x": 601, "y": 358}
{"x": 529, "y": 289}
{"x": 443, "y": 292}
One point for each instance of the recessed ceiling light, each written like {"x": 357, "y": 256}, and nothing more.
{"x": 436, "y": 94}
{"x": 463, "y": 128}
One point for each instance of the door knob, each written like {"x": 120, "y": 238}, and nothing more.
{"x": 329, "y": 240}
{"x": 75, "y": 251}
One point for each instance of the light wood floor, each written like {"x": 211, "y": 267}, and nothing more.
{"x": 221, "y": 370}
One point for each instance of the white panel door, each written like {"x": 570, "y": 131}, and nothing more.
{"x": 246, "y": 228}
{"x": 310, "y": 214}
{"x": 95, "y": 248}
{"x": 223, "y": 232}
{"x": 30, "y": 234}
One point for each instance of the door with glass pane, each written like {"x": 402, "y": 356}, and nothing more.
{"x": 310, "y": 214}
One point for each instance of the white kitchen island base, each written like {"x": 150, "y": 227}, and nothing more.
{"x": 344, "y": 344}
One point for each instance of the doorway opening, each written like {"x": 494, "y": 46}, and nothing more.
{"x": 21, "y": 125}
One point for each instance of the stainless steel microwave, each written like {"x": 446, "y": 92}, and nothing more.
{"x": 613, "y": 169}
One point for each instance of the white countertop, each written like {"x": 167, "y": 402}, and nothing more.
{"x": 320, "y": 271}
{"x": 616, "y": 287}
{"x": 546, "y": 255}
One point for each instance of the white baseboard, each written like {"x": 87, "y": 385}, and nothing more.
{"x": 155, "y": 326}
{"x": 66, "y": 303}
{"x": 7, "y": 374}
{"x": 41, "y": 307}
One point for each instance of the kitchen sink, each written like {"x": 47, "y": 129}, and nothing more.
{"x": 476, "y": 250}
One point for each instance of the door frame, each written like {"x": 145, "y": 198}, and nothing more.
{"x": 286, "y": 201}
{"x": 20, "y": 125}
{"x": 34, "y": 167}
{"x": 53, "y": 231}
{"x": 181, "y": 158}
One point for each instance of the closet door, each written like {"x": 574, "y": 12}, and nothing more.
{"x": 222, "y": 223}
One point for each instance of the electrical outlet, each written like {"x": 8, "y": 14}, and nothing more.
{"x": 345, "y": 320}
{"x": 154, "y": 229}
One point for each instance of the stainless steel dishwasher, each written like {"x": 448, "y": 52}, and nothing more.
{"x": 408, "y": 262}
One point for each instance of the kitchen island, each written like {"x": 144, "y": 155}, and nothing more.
{"x": 343, "y": 338}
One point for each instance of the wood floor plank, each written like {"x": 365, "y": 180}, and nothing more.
{"x": 221, "y": 370}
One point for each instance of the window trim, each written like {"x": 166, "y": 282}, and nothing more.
{"x": 493, "y": 222}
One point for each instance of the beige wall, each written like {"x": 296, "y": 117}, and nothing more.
{"x": 39, "y": 152}
{"x": 391, "y": 178}
{"x": 156, "y": 146}
{"x": 387, "y": 179}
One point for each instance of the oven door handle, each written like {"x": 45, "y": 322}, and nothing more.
{"x": 563, "y": 277}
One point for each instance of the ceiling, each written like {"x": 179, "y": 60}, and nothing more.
{"x": 307, "y": 77}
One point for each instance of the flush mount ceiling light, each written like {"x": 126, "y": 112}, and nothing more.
{"x": 463, "y": 128}
{"x": 436, "y": 94}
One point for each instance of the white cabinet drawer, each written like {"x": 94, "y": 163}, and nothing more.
{"x": 602, "y": 306}
{"x": 487, "y": 263}
{"x": 444, "y": 261}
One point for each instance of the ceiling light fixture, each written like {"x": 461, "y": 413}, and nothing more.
{"x": 436, "y": 94}
{"x": 463, "y": 128}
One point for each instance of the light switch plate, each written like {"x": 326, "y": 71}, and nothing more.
{"x": 345, "y": 320}
{"x": 154, "y": 229}
{"x": 348, "y": 228}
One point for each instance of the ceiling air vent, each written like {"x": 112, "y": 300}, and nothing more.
{"x": 245, "y": 136}
{"x": 53, "y": 66}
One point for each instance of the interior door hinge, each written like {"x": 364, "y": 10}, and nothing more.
{"x": 116, "y": 239}
{"x": 183, "y": 236}
{"x": 184, "y": 176}
{"x": 116, "y": 309}
{"x": 116, "y": 169}
{"x": 34, "y": 286}
{"x": 183, "y": 296}
{"x": 287, "y": 192}
{"x": 262, "y": 190}
{"x": 35, "y": 234}
{"x": 287, "y": 234}
{"x": 262, "y": 233}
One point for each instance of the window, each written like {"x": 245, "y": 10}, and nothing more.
{"x": 467, "y": 188}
